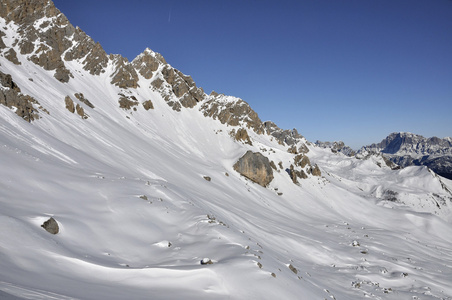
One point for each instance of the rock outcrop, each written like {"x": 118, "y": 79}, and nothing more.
{"x": 178, "y": 90}
{"x": 148, "y": 62}
{"x": 69, "y": 104}
{"x": 11, "y": 97}
{"x": 127, "y": 102}
{"x": 51, "y": 226}
{"x": 256, "y": 167}
{"x": 75, "y": 107}
{"x": 336, "y": 147}
{"x": 241, "y": 135}
{"x": 148, "y": 105}
{"x": 82, "y": 98}
{"x": 47, "y": 38}
{"x": 124, "y": 75}
{"x": 287, "y": 137}
{"x": 232, "y": 111}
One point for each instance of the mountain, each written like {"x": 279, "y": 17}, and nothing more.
{"x": 126, "y": 180}
{"x": 407, "y": 149}
{"x": 336, "y": 147}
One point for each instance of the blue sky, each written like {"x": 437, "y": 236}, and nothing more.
{"x": 351, "y": 70}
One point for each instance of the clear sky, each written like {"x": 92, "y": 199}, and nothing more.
{"x": 351, "y": 70}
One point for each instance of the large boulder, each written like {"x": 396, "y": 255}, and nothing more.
{"x": 256, "y": 167}
{"x": 51, "y": 226}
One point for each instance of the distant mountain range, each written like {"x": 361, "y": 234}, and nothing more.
{"x": 408, "y": 149}
{"x": 405, "y": 149}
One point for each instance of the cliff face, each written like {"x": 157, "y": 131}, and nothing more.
{"x": 45, "y": 37}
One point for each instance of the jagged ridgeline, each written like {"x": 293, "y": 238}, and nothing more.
{"x": 408, "y": 149}
{"x": 45, "y": 37}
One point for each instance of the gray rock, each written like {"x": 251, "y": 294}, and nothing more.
{"x": 255, "y": 167}
{"x": 51, "y": 226}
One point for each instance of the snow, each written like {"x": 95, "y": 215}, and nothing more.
{"x": 137, "y": 217}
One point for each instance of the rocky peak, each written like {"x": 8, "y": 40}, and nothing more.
{"x": 48, "y": 39}
{"x": 338, "y": 146}
{"x": 92, "y": 55}
{"x": 232, "y": 111}
{"x": 24, "y": 12}
{"x": 407, "y": 149}
{"x": 148, "y": 62}
{"x": 288, "y": 137}
{"x": 124, "y": 75}
{"x": 401, "y": 143}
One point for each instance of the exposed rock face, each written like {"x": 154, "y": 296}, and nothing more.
{"x": 242, "y": 135}
{"x": 183, "y": 87}
{"x": 302, "y": 161}
{"x": 7, "y": 81}
{"x": 69, "y": 104}
{"x": 82, "y": 98}
{"x": 288, "y": 137}
{"x": 232, "y": 111}
{"x": 12, "y": 56}
{"x": 157, "y": 83}
{"x": 51, "y": 226}
{"x": 125, "y": 75}
{"x": 148, "y": 62}
{"x": 2, "y": 43}
{"x": 127, "y": 102}
{"x": 45, "y": 35}
{"x": 407, "y": 149}
{"x": 178, "y": 90}
{"x": 295, "y": 174}
{"x": 148, "y": 105}
{"x": 255, "y": 167}
{"x": 11, "y": 96}
{"x": 72, "y": 107}
{"x": 95, "y": 59}
{"x": 81, "y": 111}
{"x": 336, "y": 147}
{"x": 315, "y": 171}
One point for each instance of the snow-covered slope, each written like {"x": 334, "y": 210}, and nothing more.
{"x": 142, "y": 185}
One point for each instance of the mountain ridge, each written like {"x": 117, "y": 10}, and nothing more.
{"x": 407, "y": 149}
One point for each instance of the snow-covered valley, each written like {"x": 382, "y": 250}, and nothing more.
{"x": 143, "y": 196}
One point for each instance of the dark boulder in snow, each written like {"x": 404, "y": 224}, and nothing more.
{"x": 51, "y": 226}
{"x": 206, "y": 261}
{"x": 256, "y": 167}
